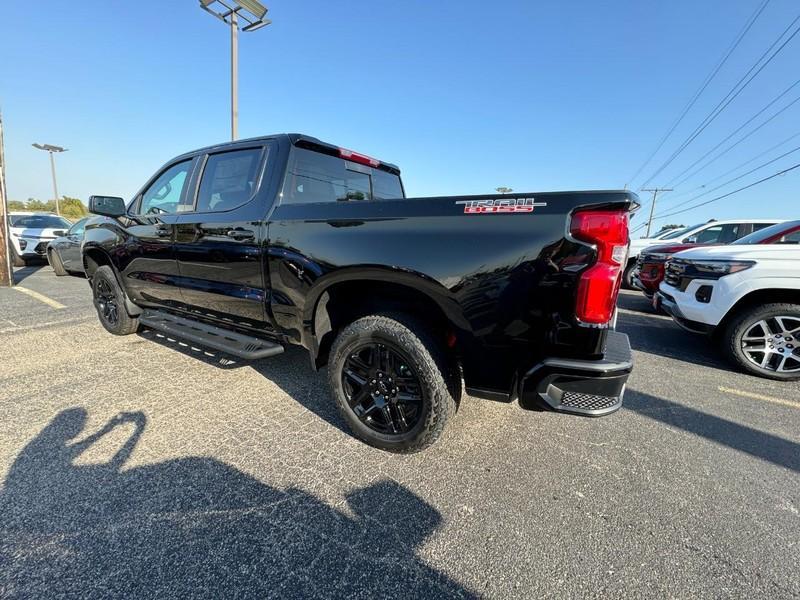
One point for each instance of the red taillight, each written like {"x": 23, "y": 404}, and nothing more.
{"x": 599, "y": 284}
{"x": 359, "y": 158}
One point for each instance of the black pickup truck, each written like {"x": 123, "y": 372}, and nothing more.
{"x": 247, "y": 246}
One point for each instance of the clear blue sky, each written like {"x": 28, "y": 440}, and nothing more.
{"x": 464, "y": 96}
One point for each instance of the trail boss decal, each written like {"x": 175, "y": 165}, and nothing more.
{"x": 510, "y": 205}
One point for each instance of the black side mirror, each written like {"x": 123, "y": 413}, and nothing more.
{"x": 108, "y": 206}
{"x": 60, "y": 233}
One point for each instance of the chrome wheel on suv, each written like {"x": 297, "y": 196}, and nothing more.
{"x": 765, "y": 340}
{"x": 774, "y": 344}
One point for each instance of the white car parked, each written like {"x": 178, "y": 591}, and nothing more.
{"x": 31, "y": 232}
{"x": 710, "y": 232}
{"x": 747, "y": 294}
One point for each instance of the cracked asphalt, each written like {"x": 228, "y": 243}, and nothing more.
{"x": 142, "y": 467}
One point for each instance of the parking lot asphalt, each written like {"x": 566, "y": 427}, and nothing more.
{"x": 139, "y": 466}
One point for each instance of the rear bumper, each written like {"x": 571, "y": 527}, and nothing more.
{"x": 586, "y": 387}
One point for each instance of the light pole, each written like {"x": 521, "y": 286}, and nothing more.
{"x": 229, "y": 11}
{"x": 52, "y": 150}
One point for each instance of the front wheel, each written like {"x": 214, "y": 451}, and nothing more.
{"x": 765, "y": 341}
{"x": 55, "y": 261}
{"x": 109, "y": 300}
{"x": 390, "y": 382}
{"x": 16, "y": 259}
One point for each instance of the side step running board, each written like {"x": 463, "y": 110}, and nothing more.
{"x": 237, "y": 344}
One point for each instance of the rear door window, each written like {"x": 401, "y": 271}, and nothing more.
{"x": 229, "y": 180}
{"x": 316, "y": 177}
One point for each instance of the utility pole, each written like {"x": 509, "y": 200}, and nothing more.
{"x": 653, "y": 205}
{"x": 6, "y": 278}
{"x": 52, "y": 150}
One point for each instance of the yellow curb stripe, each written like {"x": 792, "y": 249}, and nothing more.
{"x": 39, "y": 297}
{"x": 754, "y": 396}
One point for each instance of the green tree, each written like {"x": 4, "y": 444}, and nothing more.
{"x": 71, "y": 208}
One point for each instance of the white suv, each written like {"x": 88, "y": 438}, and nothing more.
{"x": 710, "y": 232}
{"x": 31, "y": 232}
{"x": 747, "y": 293}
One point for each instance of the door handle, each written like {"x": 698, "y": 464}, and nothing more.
{"x": 241, "y": 234}
{"x": 163, "y": 231}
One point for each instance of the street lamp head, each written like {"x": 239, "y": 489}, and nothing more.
{"x": 49, "y": 147}
{"x": 251, "y": 12}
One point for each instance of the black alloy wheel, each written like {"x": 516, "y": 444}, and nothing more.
{"x": 381, "y": 388}
{"x": 107, "y": 303}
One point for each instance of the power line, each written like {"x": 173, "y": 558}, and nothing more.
{"x": 703, "y": 86}
{"x": 742, "y": 126}
{"x": 736, "y": 168}
{"x": 730, "y": 96}
{"x": 753, "y": 170}
{"x": 739, "y": 141}
{"x": 755, "y": 183}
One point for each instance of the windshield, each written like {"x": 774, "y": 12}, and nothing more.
{"x": 759, "y": 237}
{"x": 39, "y": 222}
{"x": 679, "y": 232}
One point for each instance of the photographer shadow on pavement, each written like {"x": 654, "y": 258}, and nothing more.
{"x": 290, "y": 371}
{"x": 198, "y": 527}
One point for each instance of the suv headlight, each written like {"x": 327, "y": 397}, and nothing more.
{"x": 714, "y": 269}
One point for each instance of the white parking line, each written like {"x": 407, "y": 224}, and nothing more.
{"x": 20, "y": 328}
{"x": 755, "y": 396}
{"x": 39, "y": 297}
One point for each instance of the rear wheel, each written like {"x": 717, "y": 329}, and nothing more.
{"x": 765, "y": 341}
{"x": 55, "y": 261}
{"x": 109, "y": 300}
{"x": 390, "y": 383}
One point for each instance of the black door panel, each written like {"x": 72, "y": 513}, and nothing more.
{"x": 219, "y": 265}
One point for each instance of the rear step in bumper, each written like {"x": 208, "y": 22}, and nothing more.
{"x": 203, "y": 334}
{"x": 585, "y": 387}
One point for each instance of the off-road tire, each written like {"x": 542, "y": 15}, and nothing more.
{"x": 104, "y": 281}
{"x": 55, "y": 261}
{"x": 741, "y": 323}
{"x": 439, "y": 380}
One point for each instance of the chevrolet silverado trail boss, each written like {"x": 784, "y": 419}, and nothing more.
{"x": 248, "y": 246}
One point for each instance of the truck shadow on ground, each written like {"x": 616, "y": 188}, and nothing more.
{"x": 766, "y": 446}
{"x": 197, "y": 527}
{"x": 291, "y": 371}
{"x": 664, "y": 338}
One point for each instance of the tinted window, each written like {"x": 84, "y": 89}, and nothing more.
{"x": 164, "y": 194}
{"x": 679, "y": 232}
{"x": 718, "y": 234}
{"x": 229, "y": 180}
{"x": 39, "y": 222}
{"x": 78, "y": 228}
{"x": 761, "y": 235}
{"x": 316, "y": 177}
{"x": 790, "y": 238}
{"x": 385, "y": 185}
